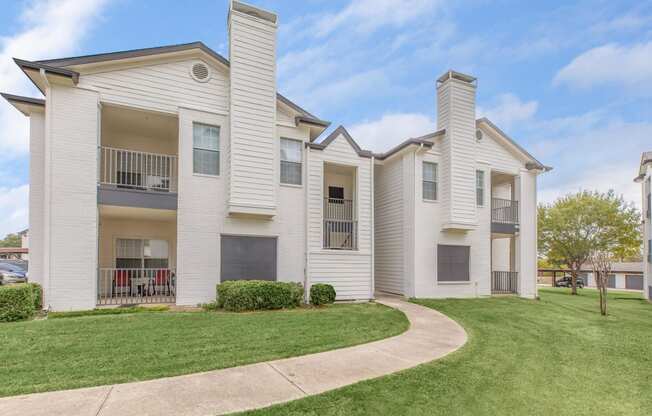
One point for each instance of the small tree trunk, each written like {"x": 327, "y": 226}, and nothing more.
{"x": 573, "y": 282}
{"x": 602, "y": 289}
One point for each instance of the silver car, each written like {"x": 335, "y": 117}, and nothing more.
{"x": 11, "y": 273}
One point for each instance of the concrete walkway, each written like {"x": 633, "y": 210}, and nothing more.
{"x": 431, "y": 335}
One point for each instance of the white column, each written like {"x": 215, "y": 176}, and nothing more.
{"x": 36, "y": 196}
{"x": 526, "y": 240}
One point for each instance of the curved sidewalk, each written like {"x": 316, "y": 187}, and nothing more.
{"x": 431, "y": 335}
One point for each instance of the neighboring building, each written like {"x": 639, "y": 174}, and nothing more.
{"x": 624, "y": 275}
{"x": 645, "y": 179}
{"x": 24, "y": 242}
{"x": 455, "y": 210}
{"x": 157, "y": 173}
{"x": 13, "y": 253}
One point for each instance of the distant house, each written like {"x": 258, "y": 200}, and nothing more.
{"x": 645, "y": 179}
{"x": 13, "y": 253}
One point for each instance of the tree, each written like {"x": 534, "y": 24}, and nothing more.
{"x": 601, "y": 260}
{"x": 576, "y": 226}
{"x": 11, "y": 240}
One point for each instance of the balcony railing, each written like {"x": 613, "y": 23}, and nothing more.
{"x": 340, "y": 227}
{"x": 138, "y": 170}
{"x": 504, "y": 211}
{"x": 504, "y": 282}
{"x": 134, "y": 286}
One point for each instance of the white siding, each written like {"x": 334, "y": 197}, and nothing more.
{"x": 71, "y": 205}
{"x": 253, "y": 148}
{"x": 389, "y": 227}
{"x": 526, "y": 240}
{"x": 36, "y": 196}
{"x": 161, "y": 87}
{"x": 456, "y": 107}
{"x": 489, "y": 150}
{"x": 350, "y": 272}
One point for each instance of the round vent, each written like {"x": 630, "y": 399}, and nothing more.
{"x": 200, "y": 72}
{"x": 478, "y": 134}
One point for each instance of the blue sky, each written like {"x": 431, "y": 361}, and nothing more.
{"x": 571, "y": 82}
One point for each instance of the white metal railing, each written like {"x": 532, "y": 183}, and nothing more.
{"x": 132, "y": 286}
{"x": 138, "y": 170}
{"x": 340, "y": 227}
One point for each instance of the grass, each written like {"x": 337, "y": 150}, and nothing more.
{"x": 555, "y": 356}
{"x": 57, "y": 354}
{"x": 108, "y": 311}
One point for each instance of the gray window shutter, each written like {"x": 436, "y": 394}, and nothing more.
{"x": 453, "y": 263}
{"x": 248, "y": 258}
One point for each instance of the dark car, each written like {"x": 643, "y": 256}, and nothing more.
{"x": 12, "y": 273}
{"x": 566, "y": 282}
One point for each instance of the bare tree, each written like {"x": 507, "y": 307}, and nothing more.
{"x": 601, "y": 262}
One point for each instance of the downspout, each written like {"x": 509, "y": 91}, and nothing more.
{"x": 306, "y": 268}
{"x": 373, "y": 233}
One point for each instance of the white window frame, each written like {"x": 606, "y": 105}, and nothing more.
{"x": 479, "y": 187}
{"x": 218, "y": 151}
{"x": 435, "y": 181}
{"x": 300, "y": 163}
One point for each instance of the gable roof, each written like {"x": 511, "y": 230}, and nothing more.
{"x": 59, "y": 67}
{"x": 419, "y": 141}
{"x": 533, "y": 162}
{"x": 340, "y": 130}
{"x": 24, "y": 104}
{"x": 646, "y": 158}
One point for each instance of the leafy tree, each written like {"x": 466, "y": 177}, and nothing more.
{"x": 577, "y": 225}
{"x": 11, "y": 240}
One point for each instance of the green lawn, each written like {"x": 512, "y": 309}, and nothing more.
{"x": 83, "y": 351}
{"x": 556, "y": 356}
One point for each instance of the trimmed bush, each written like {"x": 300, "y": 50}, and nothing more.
{"x": 251, "y": 295}
{"x": 16, "y": 302}
{"x": 37, "y": 293}
{"x": 322, "y": 294}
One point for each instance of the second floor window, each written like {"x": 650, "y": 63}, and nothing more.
{"x": 291, "y": 161}
{"x": 479, "y": 187}
{"x": 430, "y": 181}
{"x": 205, "y": 149}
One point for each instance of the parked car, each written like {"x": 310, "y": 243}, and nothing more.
{"x": 566, "y": 282}
{"x": 12, "y": 273}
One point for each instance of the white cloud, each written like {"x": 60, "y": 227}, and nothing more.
{"x": 13, "y": 209}
{"x": 51, "y": 28}
{"x": 508, "y": 110}
{"x": 365, "y": 16}
{"x": 391, "y": 129}
{"x": 629, "y": 65}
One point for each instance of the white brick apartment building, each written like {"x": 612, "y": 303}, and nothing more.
{"x": 157, "y": 173}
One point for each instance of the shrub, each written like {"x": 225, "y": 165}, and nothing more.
{"x": 37, "y": 293}
{"x": 16, "y": 302}
{"x": 322, "y": 294}
{"x": 249, "y": 295}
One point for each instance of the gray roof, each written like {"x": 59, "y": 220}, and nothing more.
{"x": 622, "y": 267}
{"x": 57, "y": 66}
{"x": 534, "y": 164}
{"x": 340, "y": 130}
{"x": 419, "y": 141}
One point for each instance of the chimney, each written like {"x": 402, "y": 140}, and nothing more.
{"x": 456, "y": 114}
{"x": 252, "y": 112}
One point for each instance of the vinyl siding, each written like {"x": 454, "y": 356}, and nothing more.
{"x": 491, "y": 151}
{"x": 161, "y": 87}
{"x": 36, "y": 197}
{"x": 253, "y": 148}
{"x": 350, "y": 272}
{"x": 389, "y": 225}
{"x": 71, "y": 205}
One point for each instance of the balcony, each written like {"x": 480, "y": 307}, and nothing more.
{"x": 504, "y": 282}
{"x": 340, "y": 227}
{"x": 137, "y": 179}
{"x": 504, "y": 216}
{"x": 135, "y": 286}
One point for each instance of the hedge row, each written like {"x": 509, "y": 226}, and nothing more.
{"x": 18, "y": 302}
{"x": 250, "y": 295}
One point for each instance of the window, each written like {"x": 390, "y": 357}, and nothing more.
{"x": 648, "y": 213}
{"x": 429, "y": 181}
{"x": 453, "y": 263}
{"x": 205, "y": 149}
{"x": 244, "y": 258}
{"x": 649, "y": 251}
{"x": 479, "y": 187}
{"x": 335, "y": 192}
{"x": 291, "y": 161}
{"x": 134, "y": 253}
